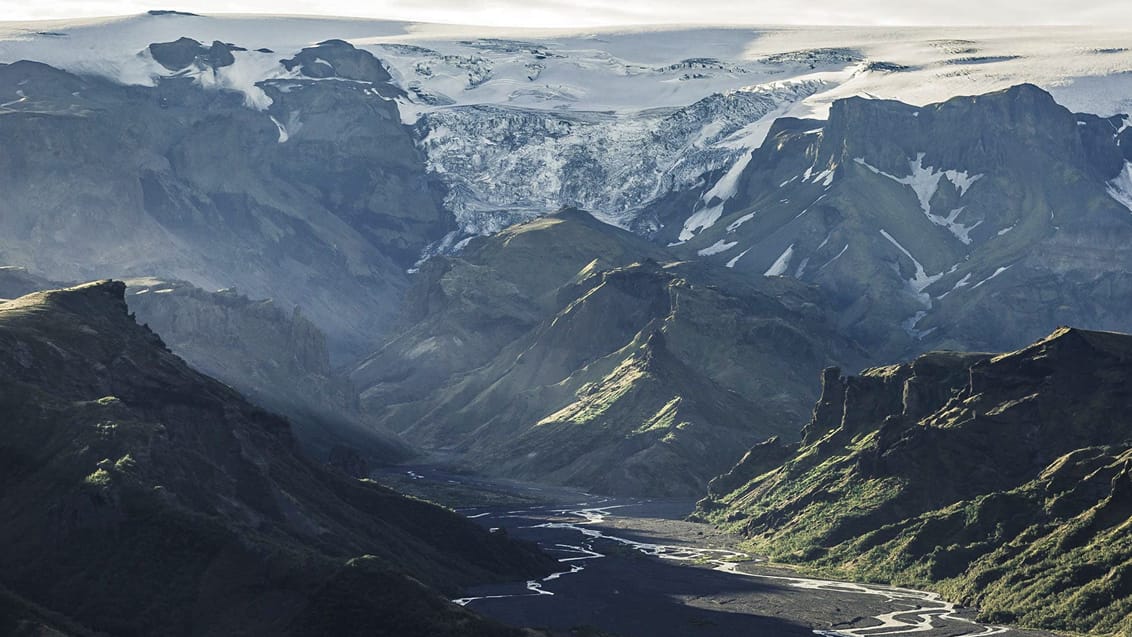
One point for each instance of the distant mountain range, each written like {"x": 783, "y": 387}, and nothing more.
{"x": 190, "y": 184}
{"x": 318, "y": 175}
{"x": 980, "y": 223}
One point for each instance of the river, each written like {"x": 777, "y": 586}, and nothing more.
{"x": 634, "y": 568}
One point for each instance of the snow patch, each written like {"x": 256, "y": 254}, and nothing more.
{"x": 735, "y": 260}
{"x": 728, "y": 184}
{"x": 825, "y": 177}
{"x": 828, "y": 263}
{"x": 924, "y": 181}
{"x": 801, "y": 268}
{"x": 961, "y": 232}
{"x": 961, "y": 283}
{"x": 996, "y": 273}
{"x": 734, "y": 225}
{"x": 921, "y": 279}
{"x": 283, "y": 136}
{"x": 701, "y": 220}
{"x": 717, "y": 247}
{"x": 779, "y": 267}
{"x": 961, "y": 179}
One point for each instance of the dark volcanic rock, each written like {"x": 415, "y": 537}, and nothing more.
{"x": 186, "y": 52}
{"x": 336, "y": 58}
{"x": 141, "y": 497}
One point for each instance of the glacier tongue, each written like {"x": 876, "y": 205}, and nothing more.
{"x": 503, "y": 164}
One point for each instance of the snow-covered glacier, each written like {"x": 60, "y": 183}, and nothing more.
{"x": 519, "y": 122}
{"x": 503, "y": 164}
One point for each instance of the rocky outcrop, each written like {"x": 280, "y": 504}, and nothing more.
{"x": 1001, "y": 480}
{"x": 186, "y": 52}
{"x": 141, "y": 497}
{"x": 338, "y": 58}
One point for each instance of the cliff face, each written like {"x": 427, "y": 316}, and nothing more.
{"x": 1002, "y": 480}
{"x": 141, "y": 497}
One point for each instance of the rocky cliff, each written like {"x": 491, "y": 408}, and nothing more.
{"x": 1002, "y": 480}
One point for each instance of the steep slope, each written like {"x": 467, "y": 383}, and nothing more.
{"x": 276, "y": 359}
{"x": 503, "y": 165}
{"x": 463, "y": 309}
{"x": 558, "y": 349}
{"x": 1002, "y": 480}
{"x": 979, "y": 223}
{"x": 141, "y": 497}
{"x": 306, "y": 189}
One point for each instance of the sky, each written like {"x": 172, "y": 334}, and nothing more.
{"x": 568, "y": 13}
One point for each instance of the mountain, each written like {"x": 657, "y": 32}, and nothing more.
{"x": 612, "y": 164}
{"x": 231, "y": 152}
{"x": 308, "y": 190}
{"x": 980, "y": 222}
{"x": 561, "y": 350}
{"x": 1001, "y": 480}
{"x": 276, "y": 359}
{"x": 141, "y": 497}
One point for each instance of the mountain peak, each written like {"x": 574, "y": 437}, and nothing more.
{"x": 1066, "y": 343}
{"x": 96, "y": 298}
{"x": 1024, "y": 90}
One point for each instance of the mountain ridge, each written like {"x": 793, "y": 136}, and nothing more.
{"x": 561, "y": 346}
{"x": 941, "y": 221}
{"x": 1031, "y": 534}
{"x": 141, "y": 495}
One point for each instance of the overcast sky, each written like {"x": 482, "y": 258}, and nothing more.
{"x": 551, "y": 13}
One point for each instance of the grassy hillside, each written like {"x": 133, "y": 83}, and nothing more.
{"x": 1003, "y": 481}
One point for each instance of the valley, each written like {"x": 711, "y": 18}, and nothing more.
{"x": 635, "y": 567}
{"x": 360, "y": 327}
